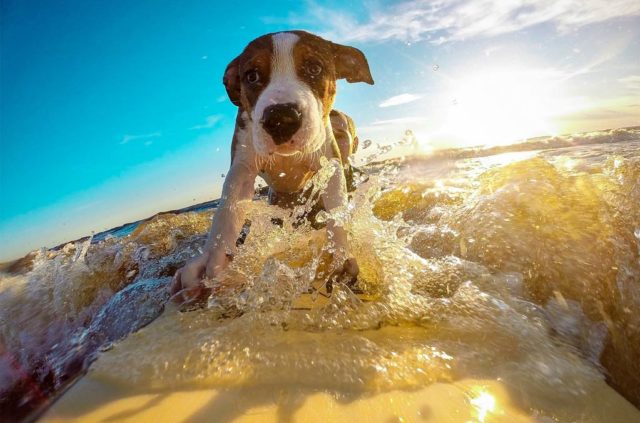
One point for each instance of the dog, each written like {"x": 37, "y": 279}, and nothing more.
{"x": 284, "y": 85}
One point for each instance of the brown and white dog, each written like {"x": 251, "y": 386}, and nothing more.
{"x": 284, "y": 85}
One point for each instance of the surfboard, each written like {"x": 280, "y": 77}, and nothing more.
{"x": 98, "y": 397}
{"x": 469, "y": 400}
{"x": 96, "y": 400}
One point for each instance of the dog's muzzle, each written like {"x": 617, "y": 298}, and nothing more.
{"x": 281, "y": 121}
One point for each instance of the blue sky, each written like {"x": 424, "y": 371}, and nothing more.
{"x": 110, "y": 113}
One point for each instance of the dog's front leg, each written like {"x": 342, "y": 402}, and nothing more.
{"x": 335, "y": 197}
{"x": 228, "y": 219}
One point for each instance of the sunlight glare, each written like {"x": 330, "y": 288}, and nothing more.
{"x": 484, "y": 402}
{"x": 502, "y": 107}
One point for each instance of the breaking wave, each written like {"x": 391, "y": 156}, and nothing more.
{"x": 521, "y": 266}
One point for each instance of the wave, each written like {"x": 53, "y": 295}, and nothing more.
{"x": 606, "y": 136}
{"x": 531, "y": 262}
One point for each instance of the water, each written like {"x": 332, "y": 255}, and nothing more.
{"x": 521, "y": 267}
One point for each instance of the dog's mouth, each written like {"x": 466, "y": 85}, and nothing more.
{"x": 288, "y": 148}
{"x": 300, "y": 141}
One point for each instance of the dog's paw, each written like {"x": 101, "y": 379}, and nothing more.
{"x": 188, "y": 292}
{"x": 346, "y": 274}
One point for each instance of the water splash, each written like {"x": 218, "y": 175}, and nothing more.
{"x": 518, "y": 268}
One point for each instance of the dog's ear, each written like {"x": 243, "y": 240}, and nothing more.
{"x": 351, "y": 64}
{"x": 231, "y": 81}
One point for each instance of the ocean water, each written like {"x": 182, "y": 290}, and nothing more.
{"x": 519, "y": 264}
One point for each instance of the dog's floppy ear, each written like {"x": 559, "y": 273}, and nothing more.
{"x": 231, "y": 81}
{"x": 351, "y": 64}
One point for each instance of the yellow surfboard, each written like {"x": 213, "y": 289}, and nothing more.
{"x": 99, "y": 397}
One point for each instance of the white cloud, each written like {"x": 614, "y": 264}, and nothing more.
{"x": 383, "y": 124}
{"x": 399, "y": 99}
{"x": 440, "y": 20}
{"x": 128, "y": 138}
{"x": 408, "y": 119}
{"x": 489, "y": 51}
{"x": 631, "y": 82}
{"x": 211, "y": 121}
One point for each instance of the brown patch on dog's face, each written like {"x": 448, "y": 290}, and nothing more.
{"x": 249, "y": 73}
{"x": 255, "y": 71}
{"x": 314, "y": 64}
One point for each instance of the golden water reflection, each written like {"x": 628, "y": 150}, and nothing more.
{"x": 483, "y": 401}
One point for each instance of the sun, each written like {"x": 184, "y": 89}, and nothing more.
{"x": 496, "y": 107}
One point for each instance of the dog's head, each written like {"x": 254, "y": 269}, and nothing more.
{"x": 286, "y": 83}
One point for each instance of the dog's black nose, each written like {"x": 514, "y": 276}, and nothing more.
{"x": 281, "y": 121}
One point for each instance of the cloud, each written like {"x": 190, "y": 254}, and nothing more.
{"x": 399, "y": 99}
{"x": 211, "y": 121}
{"x": 441, "y": 21}
{"x": 408, "y": 119}
{"x": 128, "y": 138}
{"x": 631, "y": 82}
{"x": 600, "y": 114}
{"x": 489, "y": 51}
{"x": 386, "y": 124}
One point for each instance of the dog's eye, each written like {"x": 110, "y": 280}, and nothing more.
{"x": 314, "y": 69}
{"x": 252, "y": 76}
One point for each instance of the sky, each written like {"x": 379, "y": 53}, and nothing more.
{"x": 111, "y": 112}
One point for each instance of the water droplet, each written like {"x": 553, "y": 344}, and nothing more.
{"x": 455, "y": 102}
{"x": 408, "y": 133}
{"x": 222, "y": 174}
{"x": 106, "y": 347}
{"x": 367, "y": 144}
{"x": 322, "y": 216}
{"x": 282, "y": 174}
{"x": 385, "y": 149}
{"x": 435, "y": 67}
